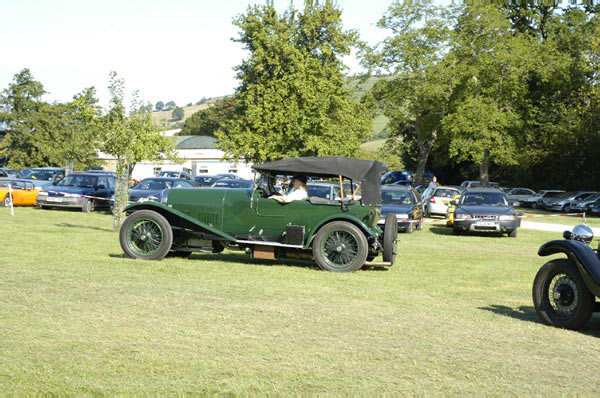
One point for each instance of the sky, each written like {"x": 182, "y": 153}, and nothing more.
{"x": 169, "y": 50}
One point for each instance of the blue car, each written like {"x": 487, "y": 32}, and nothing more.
{"x": 151, "y": 188}
{"x": 232, "y": 183}
{"x": 79, "y": 190}
{"x": 406, "y": 203}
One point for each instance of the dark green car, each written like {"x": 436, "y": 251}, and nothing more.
{"x": 340, "y": 235}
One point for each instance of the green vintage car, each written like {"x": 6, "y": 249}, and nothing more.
{"x": 340, "y": 235}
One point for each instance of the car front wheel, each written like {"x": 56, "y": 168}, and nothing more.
{"x": 560, "y": 297}
{"x": 390, "y": 238}
{"x": 340, "y": 247}
{"x": 88, "y": 205}
{"x": 6, "y": 201}
{"x": 147, "y": 235}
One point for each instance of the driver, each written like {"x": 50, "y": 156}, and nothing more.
{"x": 298, "y": 191}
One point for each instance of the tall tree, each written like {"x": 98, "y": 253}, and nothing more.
{"x": 131, "y": 138}
{"x": 493, "y": 65}
{"x": 416, "y": 93}
{"x": 292, "y": 96}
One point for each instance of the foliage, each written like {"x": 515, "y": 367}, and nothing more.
{"x": 170, "y": 106}
{"x": 208, "y": 120}
{"x": 159, "y": 106}
{"x": 178, "y": 113}
{"x": 292, "y": 97}
{"x": 42, "y": 134}
{"x": 416, "y": 94}
{"x": 131, "y": 138}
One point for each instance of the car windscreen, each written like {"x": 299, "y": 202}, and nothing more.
{"x": 169, "y": 174}
{"x": 563, "y": 195}
{"x": 81, "y": 181}
{"x": 205, "y": 180}
{"x": 395, "y": 197}
{"x": 42, "y": 175}
{"x": 484, "y": 198}
{"x": 153, "y": 185}
{"x": 182, "y": 184}
{"x": 226, "y": 184}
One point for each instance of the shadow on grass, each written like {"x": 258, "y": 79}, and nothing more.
{"x": 440, "y": 230}
{"x": 246, "y": 259}
{"x": 65, "y": 225}
{"x": 527, "y": 313}
{"x": 444, "y": 230}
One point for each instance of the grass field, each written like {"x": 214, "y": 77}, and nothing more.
{"x": 454, "y": 315}
{"x": 554, "y": 217}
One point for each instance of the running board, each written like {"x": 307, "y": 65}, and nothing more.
{"x": 267, "y": 243}
{"x": 378, "y": 264}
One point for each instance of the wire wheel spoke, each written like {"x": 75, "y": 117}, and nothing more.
{"x": 145, "y": 237}
{"x": 340, "y": 248}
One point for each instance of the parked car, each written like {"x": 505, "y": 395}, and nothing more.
{"x": 437, "y": 199}
{"x": 405, "y": 203}
{"x": 43, "y": 177}
{"x": 151, "y": 188}
{"x": 227, "y": 176}
{"x": 582, "y": 205}
{"x": 341, "y": 236}
{"x": 535, "y": 201}
{"x": 518, "y": 194}
{"x": 402, "y": 177}
{"x": 323, "y": 190}
{"x": 86, "y": 191}
{"x": 175, "y": 174}
{"x": 562, "y": 201}
{"x": 485, "y": 210}
{"x": 231, "y": 183}
{"x": 23, "y": 193}
{"x": 206, "y": 180}
{"x": 594, "y": 208}
{"x": 477, "y": 184}
{"x": 9, "y": 173}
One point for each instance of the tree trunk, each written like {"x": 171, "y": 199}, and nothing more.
{"x": 121, "y": 193}
{"x": 425, "y": 146}
{"x": 484, "y": 176}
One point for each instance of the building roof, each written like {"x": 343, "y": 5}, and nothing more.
{"x": 195, "y": 142}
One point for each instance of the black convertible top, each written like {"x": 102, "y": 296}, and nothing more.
{"x": 365, "y": 172}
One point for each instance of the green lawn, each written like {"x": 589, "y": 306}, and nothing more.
{"x": 454, "y": 315}
{"x": 554, "y": 217}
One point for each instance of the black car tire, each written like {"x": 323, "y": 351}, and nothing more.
{"x": 146, "y": 222}
{"x": 409, "y": 228}
{"x": 419, "y": 226}
{"x": 390, "y": 238}
{"x": 513, "y": 233}
{"x": 88, "y": 205}
{"x": 6, "y": 201}
{"x": 575, "y": 303}
{"x": 340, "y": 246}
{"x": 456, "y": 231}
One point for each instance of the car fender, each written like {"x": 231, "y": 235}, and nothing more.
{"x": 582, "y": 255}
{"x": 341, "y": 217}
{"x": 170, "y": 213}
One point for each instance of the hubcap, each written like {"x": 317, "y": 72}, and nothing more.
{"x": 563, "y": 295}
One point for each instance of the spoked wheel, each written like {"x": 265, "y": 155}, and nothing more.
{"x": 560, "y": 297}
{"x": 147, "y": 235}
{"x": 340, "y": 247}
{"x": 390, "y": 238}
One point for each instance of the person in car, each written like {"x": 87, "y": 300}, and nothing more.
{"x": 298, "y": 192}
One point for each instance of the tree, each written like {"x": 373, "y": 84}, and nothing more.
{"x": 170, "y": 106}
{"x": 416, "y": 93}
{"x": 178, "y": 113}
{"x": 131, "y": 138}
{"x": 292, "y": 97}
{"x": 209, "y": 120}
{"x": 159, "y": 106}
{"x": 493, "y": 65}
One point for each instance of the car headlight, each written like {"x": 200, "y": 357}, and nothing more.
{"x": 461, "y": 215}
{"x": 401, "y": 216}
{"x": 506, "y": 218}
{"x": 43, "y": 193}
{"x": 164, "y": 196}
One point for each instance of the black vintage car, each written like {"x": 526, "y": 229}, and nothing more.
{"x": 485, "y": 210}
{"x": 565, "y": 289}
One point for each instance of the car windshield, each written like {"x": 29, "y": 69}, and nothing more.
{"x": 205, "y": 180}
{"x": 153, "y": 185}
{"x": 324, "y": 191}
{"x": 175, "y": 174}
{"x": 82, "y": 181}
{"x": 396, "y": 197}
{"x": 563, "y": 195}
{"x": 485, "y": 198}
{"x": 231, "y": 184}
{"x": 45, "y": 175}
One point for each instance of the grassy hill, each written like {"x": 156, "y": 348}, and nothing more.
{"x": 357, "y": 85}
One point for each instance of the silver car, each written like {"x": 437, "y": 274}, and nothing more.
{"x": 437, "y": 199}
{"x": 518, "y": 194}
{"x": 563, "y": 201}
{"x": 582, "y": 205}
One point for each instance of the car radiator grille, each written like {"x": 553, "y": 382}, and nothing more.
{"x": 485, "y": 217}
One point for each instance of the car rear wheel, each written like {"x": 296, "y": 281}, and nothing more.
{"x": 6, "y": 201}
{"x": 147, "y": 235}
{"x": 390, "y": 238}
{"x": 560, "y": 297}
{"x": 340, "y": 247}
{"x": 513, "y": 233}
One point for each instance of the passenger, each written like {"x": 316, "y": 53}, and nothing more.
{"x": 298, "y": 192}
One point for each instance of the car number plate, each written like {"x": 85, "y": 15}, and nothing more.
{"x": 486, "y": 223}
{"x": 54, "y": 199}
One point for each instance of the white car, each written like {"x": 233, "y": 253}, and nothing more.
{"x": 518, "y": 194}
{"x": 437, "y": 199}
